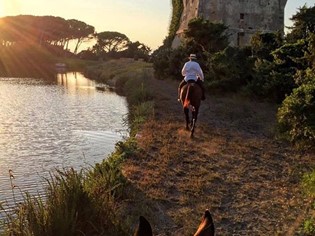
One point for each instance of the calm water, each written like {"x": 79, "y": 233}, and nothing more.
{"x": 64, "y": 122}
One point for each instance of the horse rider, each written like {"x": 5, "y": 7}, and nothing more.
{"x": 192, "y": 71}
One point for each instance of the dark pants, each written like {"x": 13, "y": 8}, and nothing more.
{"x": 199, "y": 82}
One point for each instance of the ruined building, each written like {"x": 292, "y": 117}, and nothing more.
{"x": 243, "y": 17}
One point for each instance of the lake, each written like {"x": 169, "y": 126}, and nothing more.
{"x": 62, "y": 122}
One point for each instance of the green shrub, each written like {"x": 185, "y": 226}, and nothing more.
{"x": 231, "y": 69}
{"x": 309, "y": 227}
{"x": 296, "y": 116}
{"x": 177, "y": 9}
{"x": 308, "y": 183}
{"x": 271, "y": 82}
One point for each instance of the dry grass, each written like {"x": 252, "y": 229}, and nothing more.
{"x": 234, "y": 167}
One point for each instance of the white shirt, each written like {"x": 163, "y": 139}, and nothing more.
{"x": 192, "y": 71}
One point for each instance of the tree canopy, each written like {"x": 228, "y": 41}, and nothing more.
{"x": 56, "y": 33}
{"x": 303, "y": 23}
{"x": 43, "y": 30}
{"x": 111, "y": 41}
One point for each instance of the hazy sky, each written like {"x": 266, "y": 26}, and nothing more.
{"x": 146, "y": 21}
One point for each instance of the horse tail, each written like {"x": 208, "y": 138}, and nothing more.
{"x": 187, "y": 100}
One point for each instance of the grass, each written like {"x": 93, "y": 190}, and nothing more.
{"x": 234, "y": 167}
{"x": 95, "y": 201}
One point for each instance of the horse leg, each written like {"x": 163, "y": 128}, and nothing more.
{"x": 192, "y": 130}
{"x": 196, "y": 114}
{"x": 193, "y": 122}
{"x": 186, "y": 111}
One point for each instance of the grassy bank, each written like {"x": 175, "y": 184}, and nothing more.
{"x": 97, "y": 201}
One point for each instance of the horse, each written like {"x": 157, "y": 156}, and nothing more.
{"x": 190, "y": 96}
{"x": 205, "y": 228}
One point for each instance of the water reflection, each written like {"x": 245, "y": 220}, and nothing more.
{"x": 74, "y": 81}
{"x": 45, "y": 125}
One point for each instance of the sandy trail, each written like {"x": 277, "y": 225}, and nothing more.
{"x": 234, "y": 167}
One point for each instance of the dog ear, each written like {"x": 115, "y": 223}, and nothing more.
{"x": 206, "y": 227}
{"x": 144, "y": 228}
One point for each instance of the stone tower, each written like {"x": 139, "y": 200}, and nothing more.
{"x": 243, "y": 17}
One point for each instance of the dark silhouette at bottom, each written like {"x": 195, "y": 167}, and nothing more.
{"x": 205, "y": 228}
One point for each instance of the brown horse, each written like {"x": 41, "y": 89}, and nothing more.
{"x": 190, "y": 96}
{"x": 206, "y": 227}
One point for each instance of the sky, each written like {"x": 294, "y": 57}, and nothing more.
{"x": 146, "y": 21}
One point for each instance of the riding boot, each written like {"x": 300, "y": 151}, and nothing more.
{"x": 182, "y": 83}
{"x": 203, "y": 97}
{"x": 200, "y": 83}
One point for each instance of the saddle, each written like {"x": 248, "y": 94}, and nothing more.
{"x": 192, "y": 82}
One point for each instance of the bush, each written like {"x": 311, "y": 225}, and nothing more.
{"x": 296, "y": 116}
{"x": 308, "y": 184}
{"x": 271, "y": 82}
{"x": 230, "y": 70}
{"x": 309, "y": 227}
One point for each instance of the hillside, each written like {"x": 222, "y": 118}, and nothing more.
{"x": 234, "y": 167}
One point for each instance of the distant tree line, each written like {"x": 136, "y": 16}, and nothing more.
{"x": 273, "y": 68}
{"x": 56, "y": 32}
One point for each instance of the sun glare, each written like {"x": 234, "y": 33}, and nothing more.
{"x": 8, "y": 7}
{"x": 2, "y": 8}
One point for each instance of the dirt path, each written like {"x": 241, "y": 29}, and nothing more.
{"x": 233, "y": 167}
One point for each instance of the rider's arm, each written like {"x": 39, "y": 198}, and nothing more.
{"x": 200, "y": 74}
{"x": 184, "y": 70}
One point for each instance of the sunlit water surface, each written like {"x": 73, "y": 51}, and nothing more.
{"x": 44, "y": 125}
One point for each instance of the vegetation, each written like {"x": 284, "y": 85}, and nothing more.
{"x": 272, "y": 68}
{"x": 40, "y": 42}
{"x": 43, "y": 30}
{"x": 308, "y": 184}
{"x": 177, "y": 9}
{"x": 193, "y": 174}
{"x": 88, "y": 202}
{"x": 296, "y": 115}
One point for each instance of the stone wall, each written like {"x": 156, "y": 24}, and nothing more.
{"x": 243, "y": 17}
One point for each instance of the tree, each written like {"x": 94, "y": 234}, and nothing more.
{"x": 137, "y": 50}
{"x": 264, "y": 43}
{"x": 109, "y": 41}
{"x": 208, "y": 36}
{"x": 303, "y": 24}
{"x": 230, "y": 69}
{"x": 80, "y": 31}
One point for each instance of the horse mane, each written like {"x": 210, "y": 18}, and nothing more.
{"x": 206, "y": 227}
{"x": 144, "y": 228}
